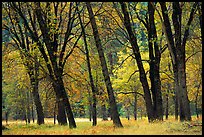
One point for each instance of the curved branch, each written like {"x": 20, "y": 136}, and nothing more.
{"x": 130, "y": 93}
{"x": 192, "y": 55}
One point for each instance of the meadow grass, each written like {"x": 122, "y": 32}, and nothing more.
{"x": 84, "y": 127}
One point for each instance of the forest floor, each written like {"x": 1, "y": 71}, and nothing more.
{"x": 84, "y": 127}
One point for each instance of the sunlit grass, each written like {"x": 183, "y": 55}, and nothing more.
{"x": 84, "y": 127}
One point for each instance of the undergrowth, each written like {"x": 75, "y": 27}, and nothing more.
{"x": 131, "y": 127}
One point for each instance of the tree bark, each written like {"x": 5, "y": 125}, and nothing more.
{"x": 113, "y": 106}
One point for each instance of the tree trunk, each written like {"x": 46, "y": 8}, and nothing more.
{"x": 135, "y": 106}
{"x": 128, "y": 113}
{"x": 61, "y": 115}
{"x": 200, "y": 17}
{"x": 135, "y": 47}
{"x": 113, "y": 106}
{"x": 178, "y": 100}
{"x": 94, "y": 113}
{"x": 39, "y": 108}
{"x": 154, "y": 65}
{"x": 63, "y": 103}
{"x": 177, "y": 52}
{"x": 175, "y": 97}
{"x": 23, "y": 104}
{"x": 94, "y": 90}
{"x": 104, "y": 114}
{"x": 196, "y": 99}
{"x": 55, "y": 113}
{"x": 28, "y": 106}
{"x": 167, "y": 101}
{"x": 34, "y": 82}
{"x": 184, "y": 101}
{"x": 55, "y": 69}
{"x": 196, "y": 107}
{"x": 176, "y": 17}
{"x": 110, "y": 58}
{"x": 141, "y": 113}
{"x": 6, "y": 116}
{"x": 32, "y": 111}
{"x": 90, "y": 105}
{"x": 25, "y": 117}
{"x": 176, "y": 106}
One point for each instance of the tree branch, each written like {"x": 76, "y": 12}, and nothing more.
{"x": 132, "y": 75}
{"x": 192, "y": 55}
{"x": 121, "y": 92}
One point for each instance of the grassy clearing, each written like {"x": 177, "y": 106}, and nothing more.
{"x": 84, "y": 127}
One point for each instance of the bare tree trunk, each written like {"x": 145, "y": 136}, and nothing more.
{"x": 113, "y": 106}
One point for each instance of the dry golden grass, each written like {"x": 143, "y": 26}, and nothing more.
{"x": 84, "y": 127}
